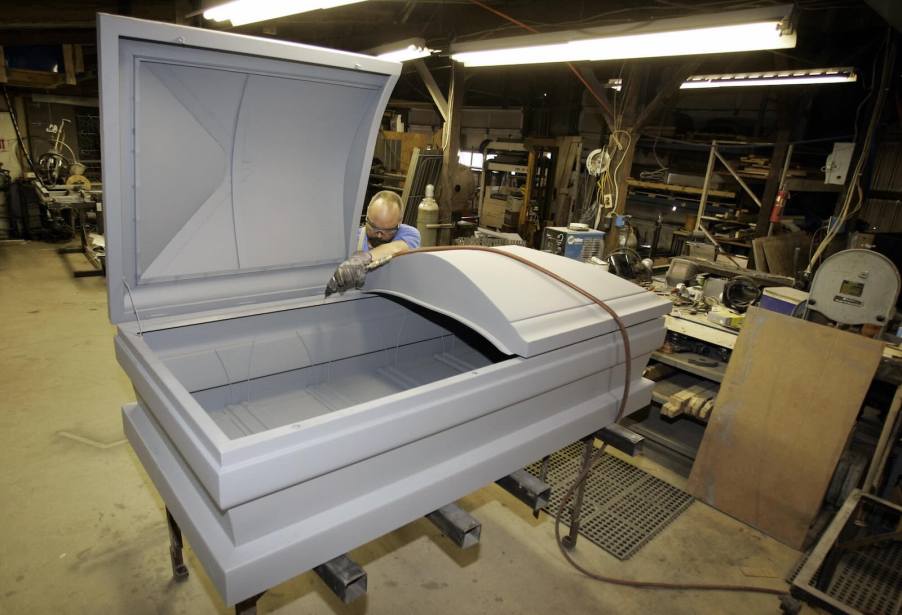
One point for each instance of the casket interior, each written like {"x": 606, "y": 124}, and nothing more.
{"x": 260, "y": 372}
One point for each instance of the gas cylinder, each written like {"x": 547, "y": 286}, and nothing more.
{"x": 427, "y": 214}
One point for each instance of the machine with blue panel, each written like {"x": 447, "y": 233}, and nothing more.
{"x": 576, "y": 241}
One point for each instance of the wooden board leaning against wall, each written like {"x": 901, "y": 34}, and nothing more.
{"x": 787, "y": 404}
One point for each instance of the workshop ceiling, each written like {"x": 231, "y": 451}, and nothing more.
{"x": 831, "y": 33}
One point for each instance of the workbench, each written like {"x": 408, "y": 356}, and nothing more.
{"x": 79, "y": 201}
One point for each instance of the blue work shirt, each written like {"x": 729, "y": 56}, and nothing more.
{"x": 406, "y": 233}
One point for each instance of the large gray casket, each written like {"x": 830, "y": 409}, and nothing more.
{"x": 282, "y": 430}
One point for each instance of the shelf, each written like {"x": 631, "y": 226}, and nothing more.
{"x": 636, "y": 183}
{"x": 509, "y": 168}
{"x": 733, "y": 242}
{"x": 798, "y": 184}
{"x": 682, "y": 361}
{"x": 722, "y": 221}
{"x": 681, "y": 436}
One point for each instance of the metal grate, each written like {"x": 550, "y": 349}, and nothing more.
{"x": 869, "y": 579}
{"x": 624, "y": 507}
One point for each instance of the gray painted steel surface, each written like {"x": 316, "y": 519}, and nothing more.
{"x": 283, "y": 430}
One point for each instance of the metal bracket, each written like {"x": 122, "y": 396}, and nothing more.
{"x": 457, "y": 524}
{"x": 179, "y": 569}
{"x": 345, "y": 578}
{"x": 526, "y": 488}
{"x": 248, "y": 606}
{"x": 622, "y": 439}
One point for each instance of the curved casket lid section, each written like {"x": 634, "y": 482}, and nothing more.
{"x": 517, "y": 308}
{"x": 234, "y": 168}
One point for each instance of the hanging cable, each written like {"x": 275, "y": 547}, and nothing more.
{"x": 854, "y": 185}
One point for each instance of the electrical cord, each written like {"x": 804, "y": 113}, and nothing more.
{"x": 854, "y": 186}
{"x": 621, "y": 410}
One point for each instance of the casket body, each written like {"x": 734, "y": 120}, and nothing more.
{"x": 282, "y": 429}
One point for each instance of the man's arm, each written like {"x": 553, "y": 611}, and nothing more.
{"x": 389, "y": 249}
{"x": 407, "y": 238}
{"x": 352, "y": 272}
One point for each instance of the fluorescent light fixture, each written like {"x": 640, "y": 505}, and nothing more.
{"x": 241, "y": 12}
{"x": 783, "y": 77}
{"x": 745, "y": 30}
{"x": 793, "y": 77}
{"x": 402, "y": 51}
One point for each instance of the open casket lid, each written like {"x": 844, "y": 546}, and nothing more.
{"x": 234, "y": 167}
{"x": 519, "y": 309}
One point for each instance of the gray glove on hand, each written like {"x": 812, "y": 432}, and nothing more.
{"x": 350, "y": 274}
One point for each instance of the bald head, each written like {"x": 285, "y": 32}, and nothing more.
{"x": 384, "y": 210}
{"x": 383, "y": 217}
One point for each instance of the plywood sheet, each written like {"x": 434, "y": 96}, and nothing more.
{"x": 758, "y": 252}
{"x": 779, "y": 251}
{"x": 781, "y": 420}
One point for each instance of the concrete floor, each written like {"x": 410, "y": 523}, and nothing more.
{"x": 83, "y": 528}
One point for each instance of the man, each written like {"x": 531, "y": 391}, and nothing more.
{"x": 378, "y": 240}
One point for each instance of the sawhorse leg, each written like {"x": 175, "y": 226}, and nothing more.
{"x": 179, "y": 569}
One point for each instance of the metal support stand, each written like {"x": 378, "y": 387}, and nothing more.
{"x": 543, "y": 474}
{"x": 526, "y": 488}
{"x": 457, "y": 524}
{"x": 569, "y": 541}
{"x": 86, "y": 273}
{"x": 179, "y": 569}
{"x": 344, "y": 577}
{"x": 248, "y": 606}
{"x": 622, "y": 439}
{"x": 98, "y": 262}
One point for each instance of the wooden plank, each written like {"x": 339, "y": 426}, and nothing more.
{"x": 2, "y": 66}
{"x": 409, "y": 142}
{"x": 699, "y": 328}
{"x": 435, "y": 92}
{"x": 683, "y": 361}
{"x": 69, "y": 64}
{"x": 636, "y": 183}
{"x": 566, "y": 178}
{"x": 527, "y": 191}
{"x": 785, "y": 410}
{"x": 33, "y": 78}
{"x": 758, "y": 253}
{"x": 779, "y": 250}
{"x": 79, "y": 59}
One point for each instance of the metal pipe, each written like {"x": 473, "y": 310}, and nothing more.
{"x": 739, "y": 179}
{"x": 706, "y": 186}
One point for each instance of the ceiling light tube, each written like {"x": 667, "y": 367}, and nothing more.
{"x": 810, "y": 76}
{"x": 241, "y": 12}
{"x": 402, "y": 51}
{"x": 795, "y": 77}
{"x": 745, "y": 30}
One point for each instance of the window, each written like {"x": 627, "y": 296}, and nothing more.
{"x": 473, "y": 160}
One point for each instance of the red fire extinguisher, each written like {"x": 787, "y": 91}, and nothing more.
{"x": 776, "y": 214}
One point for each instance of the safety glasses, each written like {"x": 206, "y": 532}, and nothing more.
{"x": 381, "y": 230}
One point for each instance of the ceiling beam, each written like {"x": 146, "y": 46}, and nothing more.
{"x": 437, "y": 97}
